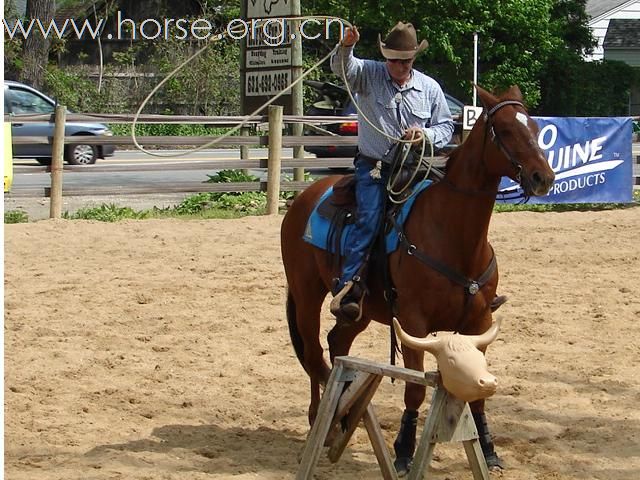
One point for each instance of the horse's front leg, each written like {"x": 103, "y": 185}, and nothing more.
{"x": 477, "y": 410}
{"x": 414, "y": 394}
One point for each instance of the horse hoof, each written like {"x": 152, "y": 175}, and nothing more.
{"x": 494, "y": 463}
{"x": 402, "y": 466}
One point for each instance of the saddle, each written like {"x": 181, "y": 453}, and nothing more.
{"x": 343, "y": 198}
{"x": 341, "y": 205}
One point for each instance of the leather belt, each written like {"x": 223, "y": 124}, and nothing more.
{"x": 371, "y": 160}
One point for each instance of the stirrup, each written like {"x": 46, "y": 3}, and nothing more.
{"x": 350, "y": 312}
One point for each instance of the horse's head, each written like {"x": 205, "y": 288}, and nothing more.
{"x": 514, "y": 135}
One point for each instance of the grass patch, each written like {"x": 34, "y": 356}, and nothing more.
{"x": 15, "y": 216}
{"x": 220, "y": 205}
{"x": 567, "y": 207}
{"x": 206, "y": 205}
{"x": 107, "y": 213}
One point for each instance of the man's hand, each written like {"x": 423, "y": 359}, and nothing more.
{"x": 415, "y": 134}
{"x": 351, "y": 37}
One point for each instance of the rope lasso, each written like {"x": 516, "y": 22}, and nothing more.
{"x": 242, "y": 123}
{"x": 215, "y": 141}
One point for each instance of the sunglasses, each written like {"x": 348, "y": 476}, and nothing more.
{"x": 398, "y": 60}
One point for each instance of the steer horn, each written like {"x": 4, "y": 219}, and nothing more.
{"x": 431, "y": 345}
{"x": 481, "y": 341}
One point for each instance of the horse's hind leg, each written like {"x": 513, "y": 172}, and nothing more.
{"x": 304, "y": 324}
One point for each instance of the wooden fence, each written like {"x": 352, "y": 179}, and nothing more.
{"x": 241, "y": 140}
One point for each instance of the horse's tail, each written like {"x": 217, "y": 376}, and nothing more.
{"x": 294, "y": 333}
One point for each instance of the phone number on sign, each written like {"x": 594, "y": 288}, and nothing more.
{"x": 267, "y": 83}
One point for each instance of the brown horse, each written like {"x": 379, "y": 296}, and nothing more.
{"x": 444, "y": 250}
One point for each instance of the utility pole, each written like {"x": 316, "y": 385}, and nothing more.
{"x": 297, "y": 100}
{"x": 475, "y": 66}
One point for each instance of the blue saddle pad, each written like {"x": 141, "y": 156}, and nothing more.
{"x": 317, "y": 231}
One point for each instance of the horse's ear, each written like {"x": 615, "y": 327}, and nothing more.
{"x": 487, "y": 99}
{"x": 513, "y": 93}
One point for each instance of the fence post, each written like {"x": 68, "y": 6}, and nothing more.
{"x": 244, "y": 149}
{"x": 275, "y": 159}
{"x": 55, "y": 205}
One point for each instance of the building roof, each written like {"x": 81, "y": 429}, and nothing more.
{"x": 623, "y": 33}
{"x": 595, "y": 8}
{"x": 80, "y": 10}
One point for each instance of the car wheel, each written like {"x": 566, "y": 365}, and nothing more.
{"x": 44, "y": 160}
{"x": 81, "y": 154}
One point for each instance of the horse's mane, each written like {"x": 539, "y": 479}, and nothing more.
{"x": 452, "y": 155}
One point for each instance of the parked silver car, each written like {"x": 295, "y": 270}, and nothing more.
{"x": 20, "y": 99}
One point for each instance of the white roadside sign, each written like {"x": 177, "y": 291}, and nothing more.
{"x": 469, "y": 116}
{"x": 277, "y": 57}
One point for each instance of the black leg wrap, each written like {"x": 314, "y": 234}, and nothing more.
{"x": 405, "y": 444}
{"x": 490, "y": 455}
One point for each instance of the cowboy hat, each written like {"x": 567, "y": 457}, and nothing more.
{"x": 401, "y": 43}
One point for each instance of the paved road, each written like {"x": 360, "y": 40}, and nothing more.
{"x": 87, "y": 180}
{"x": 38, "y": 207}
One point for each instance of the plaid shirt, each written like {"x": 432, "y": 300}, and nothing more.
{"x": 419, "y": 103}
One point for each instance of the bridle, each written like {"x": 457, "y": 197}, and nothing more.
{"x": 489, "y": 130}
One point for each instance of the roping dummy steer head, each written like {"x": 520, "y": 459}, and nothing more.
{"x": 462, "y": 365}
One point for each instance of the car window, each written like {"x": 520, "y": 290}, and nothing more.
{"x": 24, "y": 102}
{"x": 454, "y": 107}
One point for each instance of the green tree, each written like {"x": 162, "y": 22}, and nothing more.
{"x": 569, "y": 85}
{"x": 518, "y": 38}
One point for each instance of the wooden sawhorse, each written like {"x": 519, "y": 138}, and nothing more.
{"x": 448, "y": 419}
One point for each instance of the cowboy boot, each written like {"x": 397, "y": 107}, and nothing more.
{"x": 497, "y": 302}
{"x": 347, "y": 304}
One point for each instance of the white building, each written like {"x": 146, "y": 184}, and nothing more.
{"x": 602, "y": 12}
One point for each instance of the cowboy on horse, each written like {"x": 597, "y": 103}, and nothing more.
{"x": 402, "y": 102}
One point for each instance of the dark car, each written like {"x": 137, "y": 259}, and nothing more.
{"x": 334, "y": 100}
{"x": 20, "y": 99}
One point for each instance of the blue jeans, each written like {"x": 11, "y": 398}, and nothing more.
{"x": 370, "y": 195}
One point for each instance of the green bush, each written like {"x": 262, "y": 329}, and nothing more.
{"x": 168, "y": 129}
{"x": 232, "y": 176}
{"x": 74, "y": 90}
{"x": 195, "y": 204}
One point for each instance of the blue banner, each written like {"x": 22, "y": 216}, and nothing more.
{"x": 591, "y": 158}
